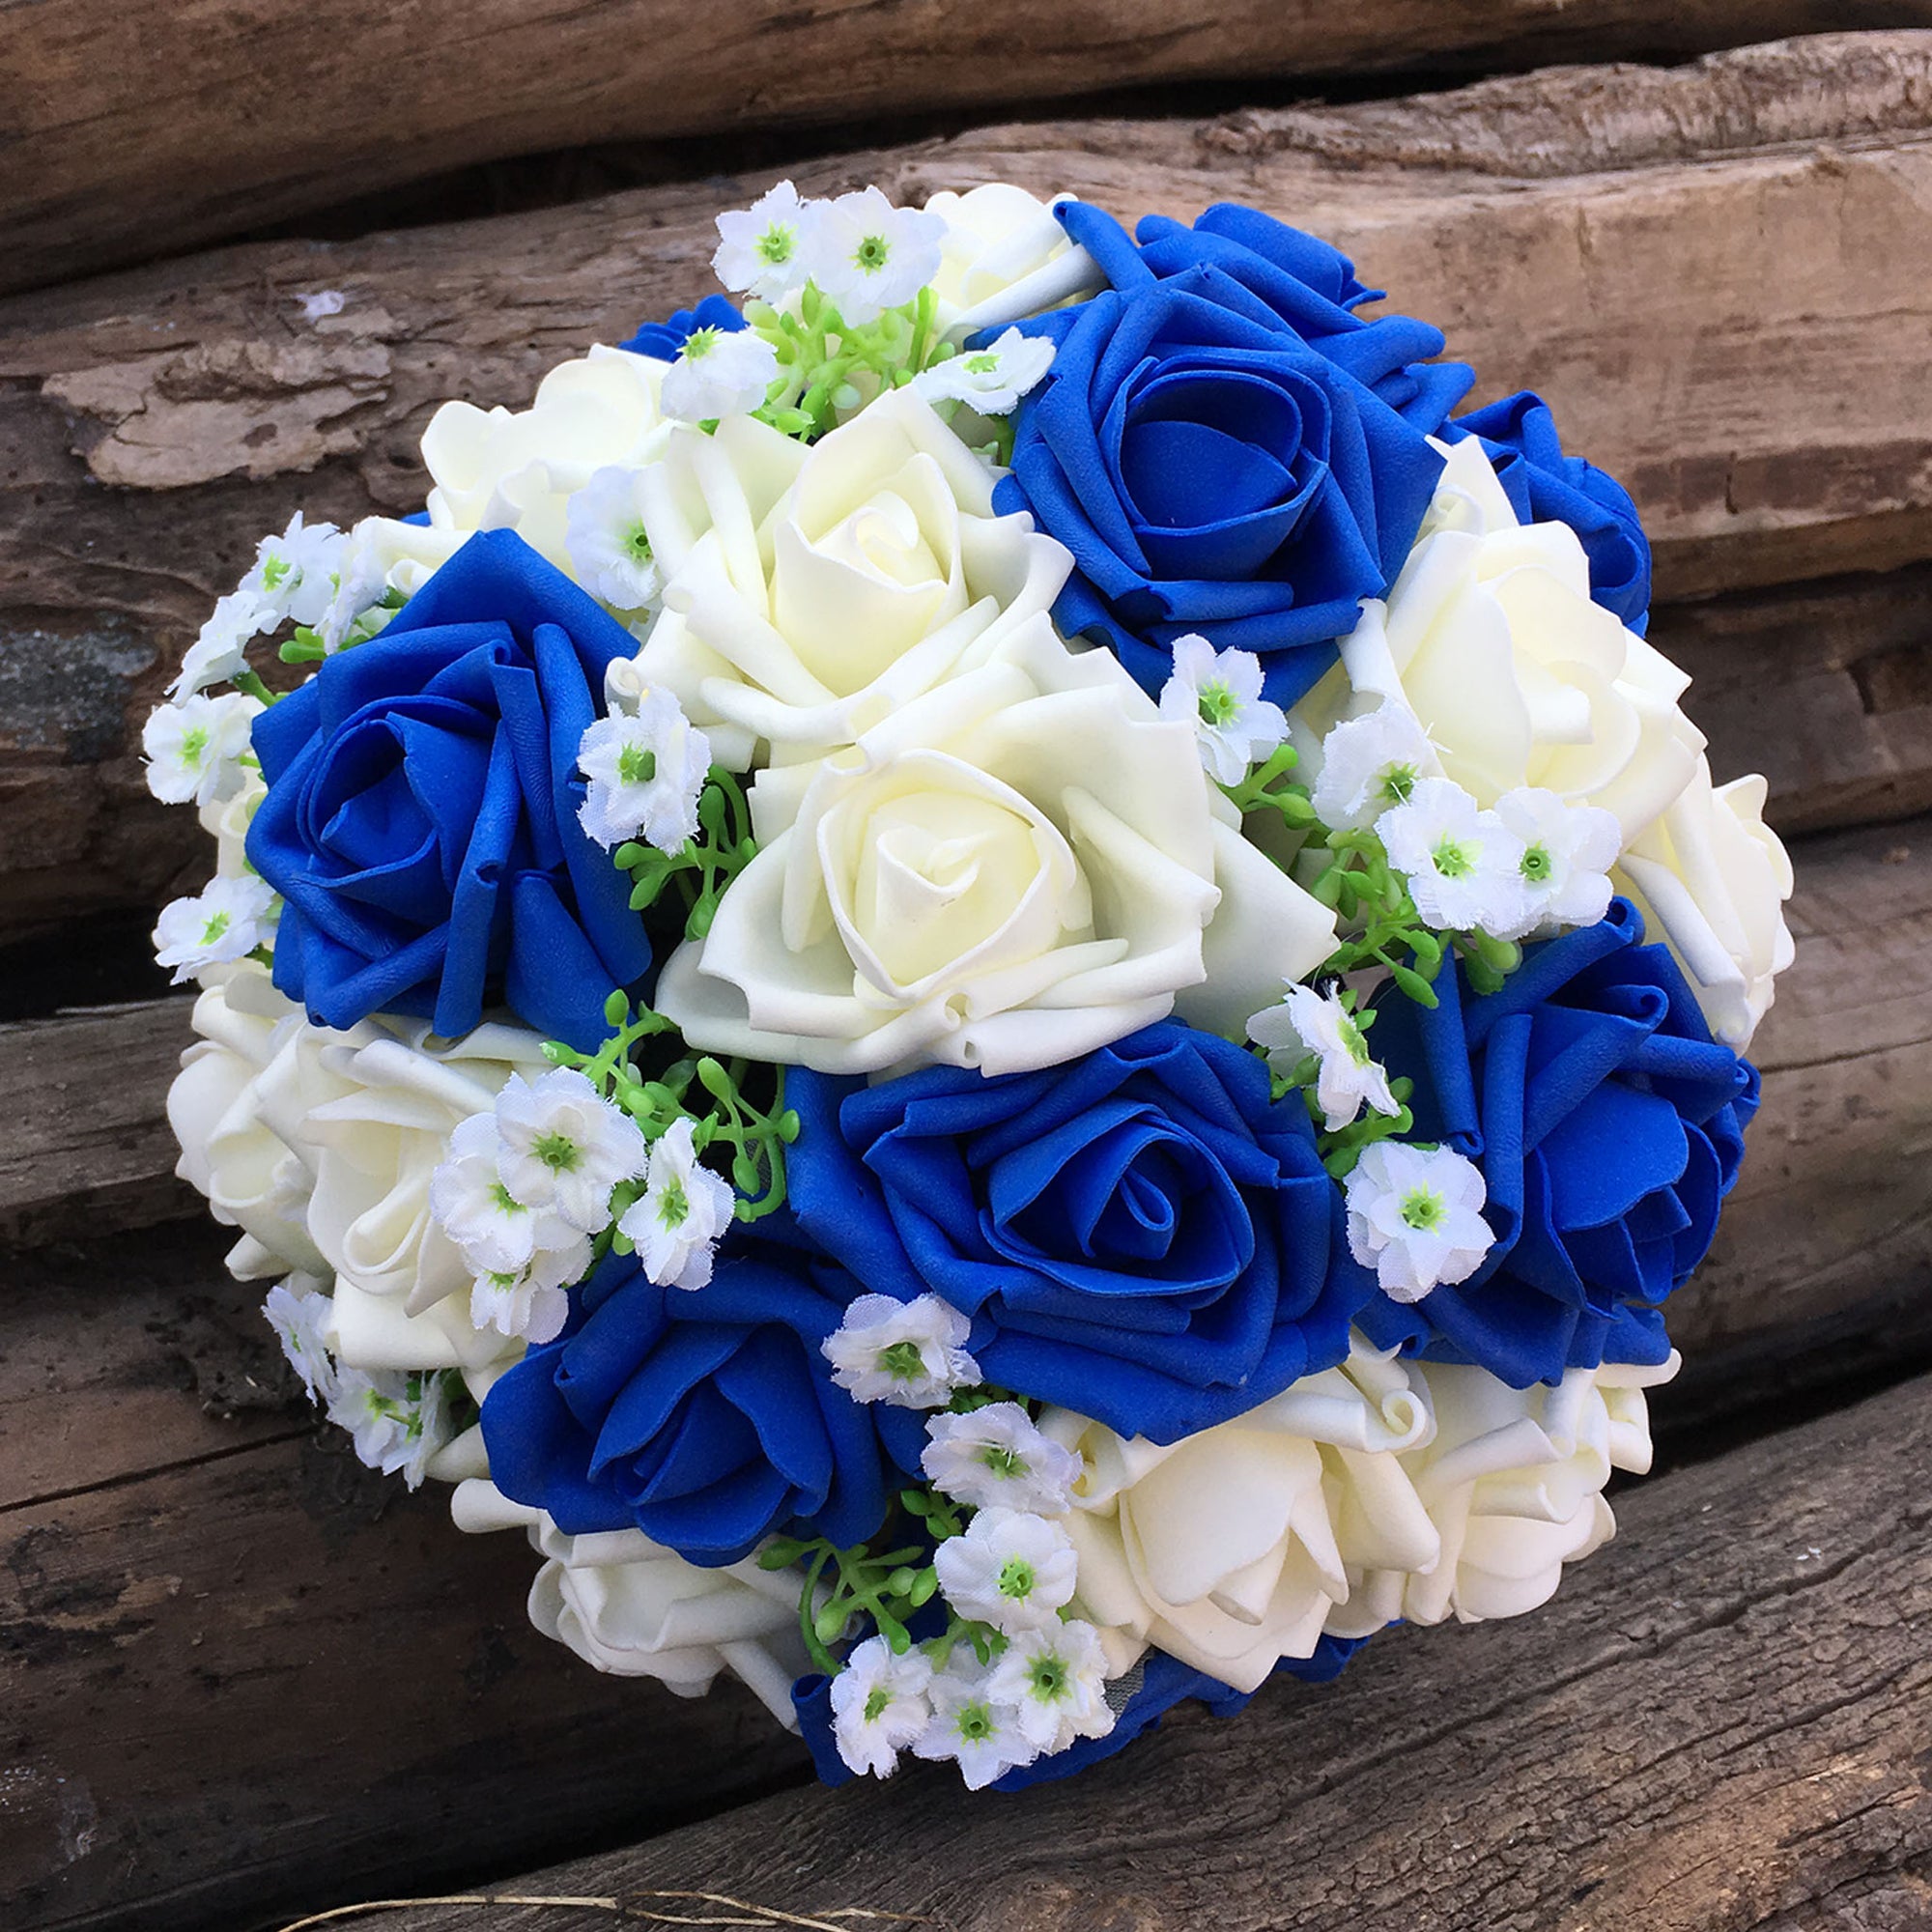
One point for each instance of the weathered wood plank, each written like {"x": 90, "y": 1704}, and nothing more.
{"x": 1720, "y": 1723}
{"x": 1768, "y": 409}
{"x": 236, "y": 1669}
{"x": 86, "y": 1144}
{"x": 185, "y": 136}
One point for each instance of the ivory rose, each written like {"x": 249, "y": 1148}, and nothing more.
{"x": 1005, "y": 257}
{"x": 1232, "y": 1549}
{"x": 1489, "y": 637}
{"x": 320, "y": 1146}
{"x": 1017, "y": 868}
{"x": 516, "y": 470}
{"x": 1710, "y": 879}
{"x": 630, "y": 1606}
{"x": 809, "y": 593}
{"x": 1512, "y": 1480}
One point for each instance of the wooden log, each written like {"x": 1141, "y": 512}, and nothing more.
{"x": 187, "y": 135}
{"x": 1767, "y": 410}
{"x": 237, "y": 1669}
{"x": 1720, "y": 1722}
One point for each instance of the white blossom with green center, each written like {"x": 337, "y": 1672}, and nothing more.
{"x": 1056, "y": 1681}
{"x": 1415, "y": 1217}
{"x": 294, "y": 574}
{"x": 1010, "y": 1569}
{"x": 719, "y": 373}
{"x": 911, "y": 1354}
{"x": 196, "y": 748}
{"x": 399, "y": 1421}
{"x": 1369, "y": 764}
{"x": 1463, "y": 864}
{"x": 971, "y": 1727}
{"x": 1309, "y": 1022}
{"x": 995, "y": 1456}
{"x": 989, "y": 380}
{"x": 1219, "y": 694}
{"x": 646, "y": 770}
{"x": 879, "y": 1705}
{"x": 675, "y": 1223}
{"x": 225, "y": 921}
{"x": 869, "y": 256}
{"x": 761, "y": 248}
{"x": 500, "y": 1237}
{"x": 219, "y": 653}
{"x": 1568, "y": 851}
{"x": 563, "y": 1147}
{"x": 610, "y": 552}
{"x": 301, "y": 1321}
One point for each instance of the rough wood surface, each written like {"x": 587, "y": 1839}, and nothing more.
{"x": 85, "y": 1143}
{"x": 1720, "y": 1722}
{"x": 212, "y": 118}
{"x": 1718, "y": 273}
{"x": 237, "y": 1670}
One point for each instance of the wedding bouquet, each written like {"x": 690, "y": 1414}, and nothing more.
{"x": 1000, "y": 979}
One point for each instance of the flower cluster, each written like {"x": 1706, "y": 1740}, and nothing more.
{"x": 990, "y": 971}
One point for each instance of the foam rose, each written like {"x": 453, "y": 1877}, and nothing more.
{"x": 1018, "y": 867}
{"x": 1005, "y": 257}
{"x": 634, "y": 1608}
{"x": 1231, "y": 1549}
{"x": 1489, "y": 636}
{"x": 1512, "y": 1480}
{"x": 811, "y": 592}
{"x": 1711, "y": 878}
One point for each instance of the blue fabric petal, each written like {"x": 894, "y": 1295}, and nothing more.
{"x": 664, "y": 339}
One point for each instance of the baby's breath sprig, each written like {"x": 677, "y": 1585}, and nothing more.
{"x": 1361, "y": 885}
{"x": 1263, "y": 790}
{"x": 827, "y": 365}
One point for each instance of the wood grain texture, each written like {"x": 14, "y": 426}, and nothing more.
{"x": 1768, "y": 406}
{"x": 237, "y": 1670}
{"x": 1720, "y": 1724}
{"x": 186, "y": 134}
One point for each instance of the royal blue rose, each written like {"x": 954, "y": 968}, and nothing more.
{"x": 1608, "y": 1126}
{"x": 664, "y": 339}
{"x": 1225, "y": 447}
{"x": 708, "y": 1419}
{"x": 1142, "y": 1234}
{"x": 1518, "y": 436}
{"x": 422, "y": 815}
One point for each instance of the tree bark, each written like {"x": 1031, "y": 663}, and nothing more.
{"x": 211, "y": 118}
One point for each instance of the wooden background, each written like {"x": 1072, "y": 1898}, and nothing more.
{"x": 239, "y": 1678}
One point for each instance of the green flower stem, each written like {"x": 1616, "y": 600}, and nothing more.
{"x": 249, "y": 684}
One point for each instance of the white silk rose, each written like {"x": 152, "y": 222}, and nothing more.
{"x": 252, "y": 1177}
{"x": 1004, "y": 258}
{"x": 1231, "y": 1550}
{"x": 320, "y": 1146}
{"x": 811, "y": 592}
{"x": 1489, "y": 638}
{"x": 516, "y": 470}
{"x": 1512, "y": 1480}
{"x": 1711, "y": 878}
{"x": 1013, "y": 870}
{"x": 632, "y": 1608}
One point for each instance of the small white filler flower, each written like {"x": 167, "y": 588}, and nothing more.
{"x": 995, "y": 1456}
{"x": 1309, "y": 1022}
{"x": 761, "y": 248}
{"x": 399, "y": 1421}
{"x": 1219, "y": 693}
{"x": 299, "y": 1322}
{"x": 879, "y": 1705}
{"x": 675, "y": 1223}
{"x": 646, "y": 773}
{"x": 1464, "y": 866}
{"x": 1369, "y": 764}
{"x": 532, "y": 1305}
{"x": 221, "y": 652}
{"x": 719, "y": 372}
{"x": 990, "y": 380}
{"x": 1009, "y": 1569}
{"x": 294, "y": 574}
{"x": 911, "y": 1354}
{"x": 195, "y": 747}
{"x": 1055, "y": 1680}
{"x": 972, "y": 1728}
{"x": 609, "y": 548}
{"x": 1415, "y": 1217}
{"x": 496, "y": 1232}
{"x": 565, "y": 1146}
{"x": 1568, "y": 851}
{"x": 225, "y": 921}
{"x": 867, "y": 255}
